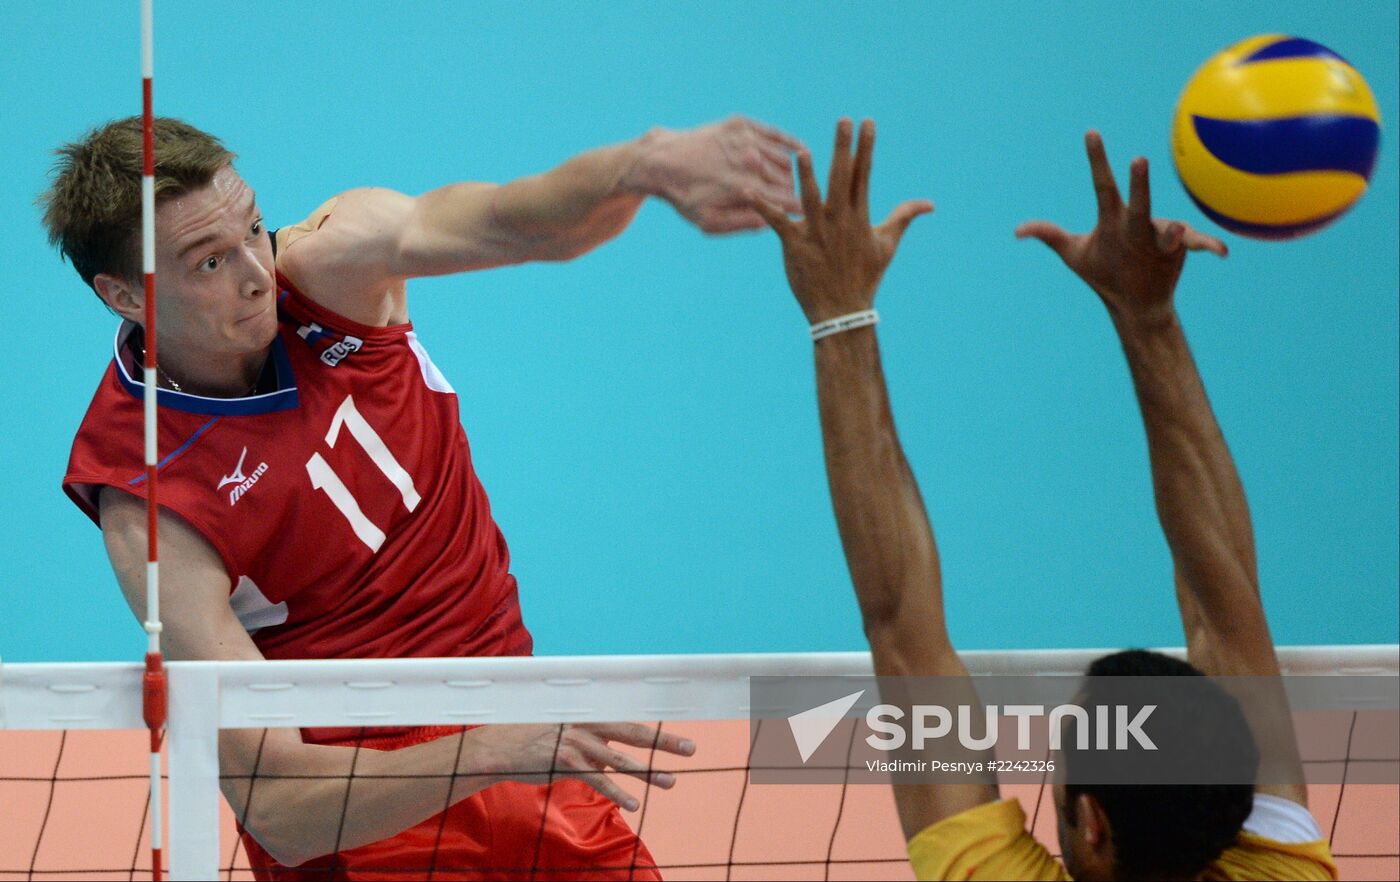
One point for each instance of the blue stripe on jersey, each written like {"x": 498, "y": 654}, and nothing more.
{"x": 285, "y": 398}
{"x": 282, "y": 365}
{"x": 176, "y": 452}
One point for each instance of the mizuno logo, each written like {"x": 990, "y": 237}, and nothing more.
{"x": 237, "y": 476}
{"x": 243, "y": 484}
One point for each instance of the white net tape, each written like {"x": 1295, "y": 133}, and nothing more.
{"x": 208, "y": 696}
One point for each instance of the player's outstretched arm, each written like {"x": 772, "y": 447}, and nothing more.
{"x": 834, "y": 261}
{"x": 295, "y": 810}
{"x": 365, "y": 243}
{"x": 1133, "y": 261}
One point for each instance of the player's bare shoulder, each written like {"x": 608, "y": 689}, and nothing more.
{"x": 344, "y": 255}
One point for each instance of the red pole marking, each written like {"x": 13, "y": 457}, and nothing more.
{"x": 152, "y": 553}
{"x": 153, "y": 707}
{"x": 147, "y": 129}
{"x": 148, "y": 151}
{"x": 153, "y": 683}
{"x": 153, "y": 693}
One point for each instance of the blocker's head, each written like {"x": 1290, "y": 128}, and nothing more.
{"x": 1154, "y": 831}
{"x": 214, "y": 265}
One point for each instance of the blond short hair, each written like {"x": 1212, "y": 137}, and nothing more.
{"x": 92, "y": 211}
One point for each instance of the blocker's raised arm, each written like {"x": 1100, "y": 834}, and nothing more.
{"x": 834, "y": 261}
{"x": 1133, "y": 261}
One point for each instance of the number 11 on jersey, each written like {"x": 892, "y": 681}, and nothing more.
{"x": 323, "y": 477}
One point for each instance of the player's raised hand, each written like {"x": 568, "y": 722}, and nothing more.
{"x": 707, "y": 172}
{"x": 834, "y": 258}
{"x": 1131, "y": 259}
{"x": 538, "y": 753}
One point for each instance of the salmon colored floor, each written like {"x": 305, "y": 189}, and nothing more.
{"x": 90, "y": 805}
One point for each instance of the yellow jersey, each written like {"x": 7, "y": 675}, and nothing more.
{"x": 991, "y": 842}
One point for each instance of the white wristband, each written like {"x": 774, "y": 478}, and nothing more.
{"x": 844, "y": 323}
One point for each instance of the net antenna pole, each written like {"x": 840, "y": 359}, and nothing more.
{"x": 153, "y": 692}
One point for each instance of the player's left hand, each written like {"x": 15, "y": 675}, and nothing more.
{"x": 706, "y": 172}
{"x": 1131, "y": 259}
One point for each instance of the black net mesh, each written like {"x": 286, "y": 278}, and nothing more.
{"x": 74, "y": 804}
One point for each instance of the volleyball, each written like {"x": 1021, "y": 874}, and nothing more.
{"x": 1275, "y": 137}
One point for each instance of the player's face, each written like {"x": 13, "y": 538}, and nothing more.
{"x": 215, "y": 285}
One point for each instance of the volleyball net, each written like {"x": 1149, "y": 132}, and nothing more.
{"x": 75, "y": 803}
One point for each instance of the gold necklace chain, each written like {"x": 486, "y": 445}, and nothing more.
{"x": 170, "y": 381}
{"x": 163, "y": 375}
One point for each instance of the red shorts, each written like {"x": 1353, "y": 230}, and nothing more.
{"x": 508, "y": 831}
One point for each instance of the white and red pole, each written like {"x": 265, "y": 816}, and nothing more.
{"x": 153, "y": 683}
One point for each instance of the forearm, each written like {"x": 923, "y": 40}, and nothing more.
{"x": 556, "y": 215}
{"x": 1200, "y": 500}
{"x": 893, "y": 560}
{"x": 834, "y": 260}
{"x": 884, "y": 529}
{"x": 301, "y": 801}
{"x": 577, "y": 206}
{"x": 1201, "y": 503}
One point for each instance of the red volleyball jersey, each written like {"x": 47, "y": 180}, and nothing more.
{"x": 352, "y": 525}
{"x": 344, "y": 503}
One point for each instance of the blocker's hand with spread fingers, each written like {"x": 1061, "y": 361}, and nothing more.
{"x": 834, "y": 258}
{"x": 1130, "y": 259}
{"x": 536, "y": 754}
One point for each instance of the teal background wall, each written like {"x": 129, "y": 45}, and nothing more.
{"x": 644, "y": 418}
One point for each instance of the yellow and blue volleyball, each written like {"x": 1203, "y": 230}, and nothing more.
{"x": 1275, "y": 137}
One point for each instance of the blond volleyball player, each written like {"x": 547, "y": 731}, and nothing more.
{"x": 834, "y": 260}
{"x": 318, "y": 498}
